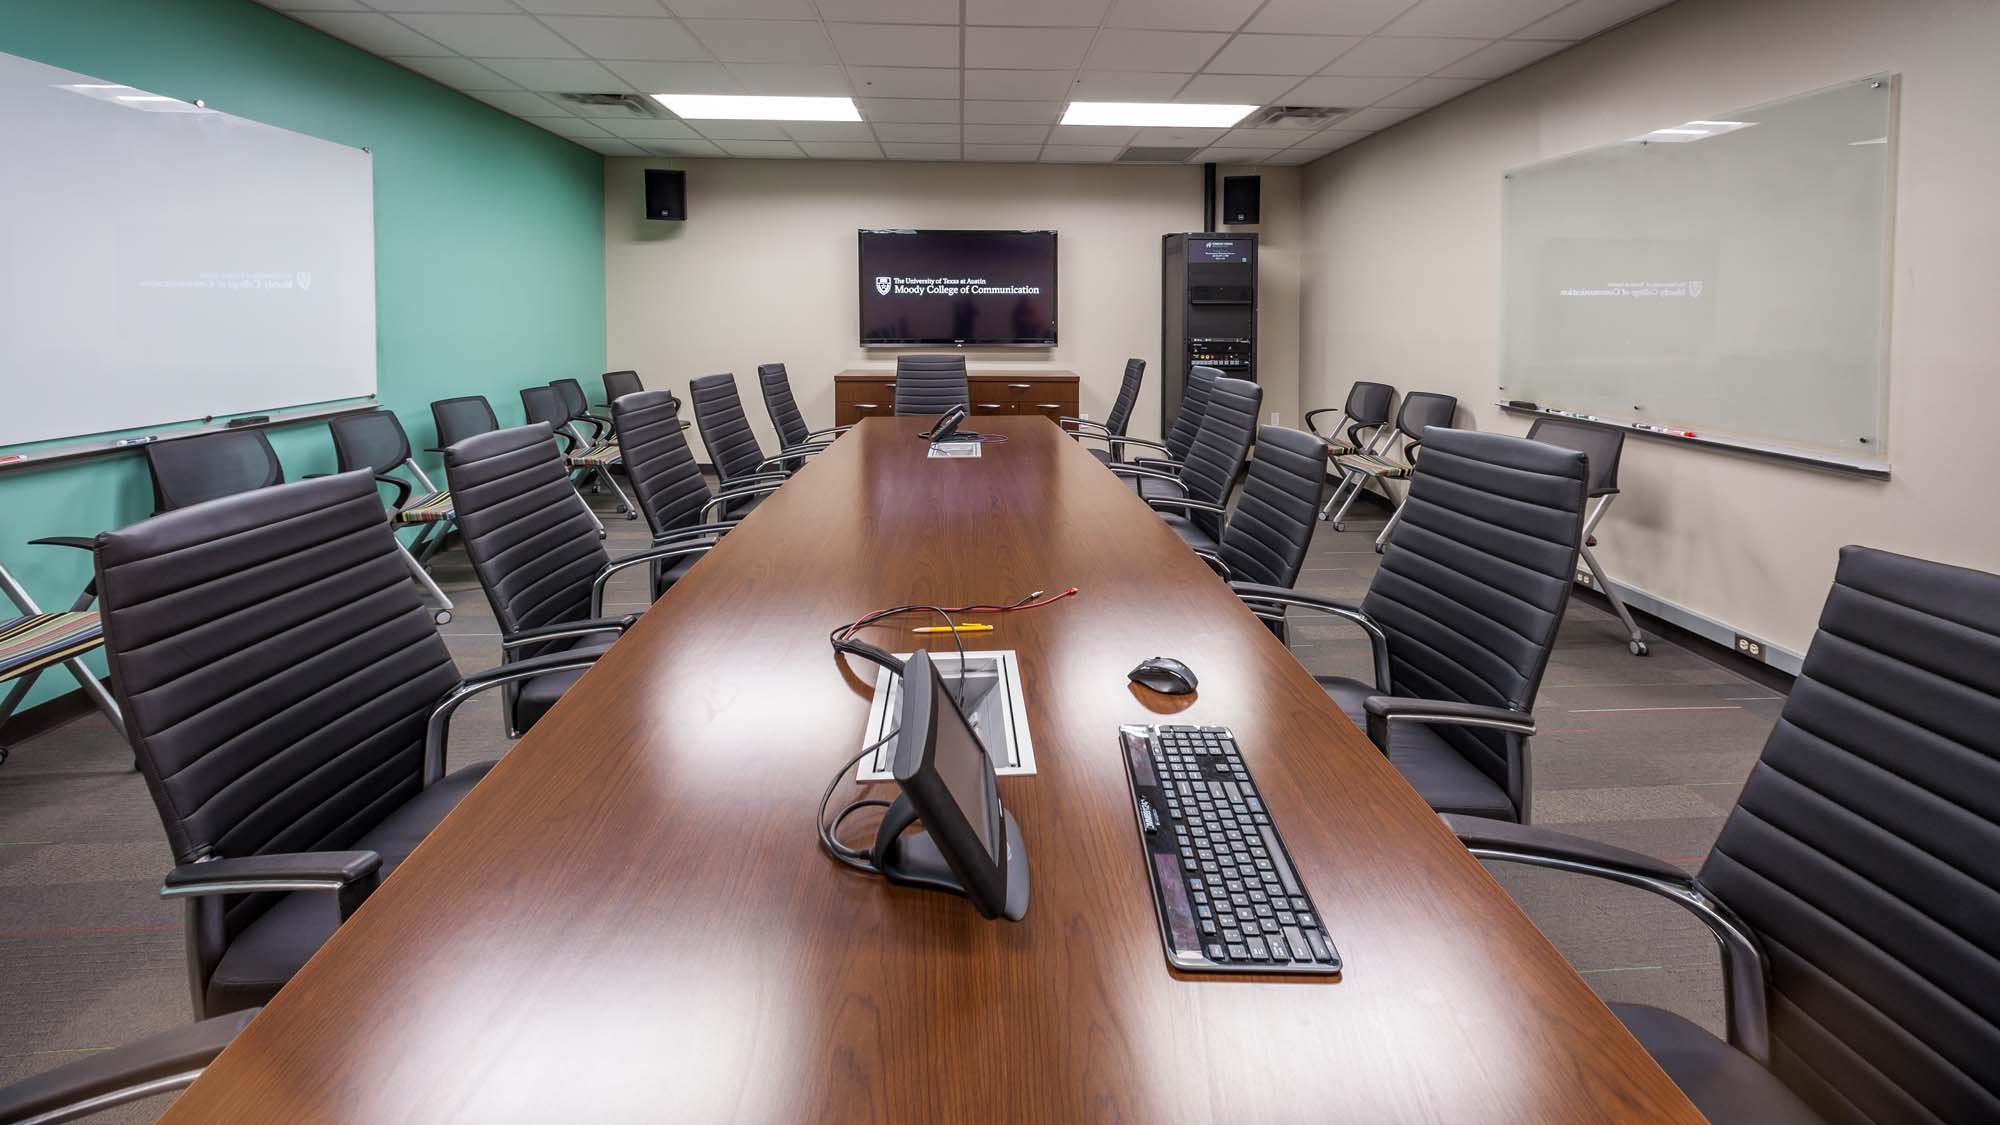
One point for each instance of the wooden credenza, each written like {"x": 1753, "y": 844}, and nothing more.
{"x": 872, "y": 394}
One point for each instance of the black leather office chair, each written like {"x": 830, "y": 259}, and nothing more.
{"x": 1265, "y": 538}
{"x": 672, "y": 492}
{"x": 784, "y": 411}
{"x": 1359, "y": 421}
{"x": 1180, "y": 436}
{"x": 459, "y": 418}
{"x": 288, "y": 699}
{"x": 1604, "y": 446}
{"x": 1214, "y": 460}
{"x": 1421, "y": 412}
{"x": 732, "y": 445}
{"x": 1853, "y": 886}
{"x": 375, "y": 442}
{"x": 618, "y": 384}
{"x": 1462, "y": 615}
{"x": 157, "y": 1064}
{"x": 538, "y": 556}
{"x": 189, "y": 470}
{"x": 1115, "y": 423}
{"x": 931, "y": 384}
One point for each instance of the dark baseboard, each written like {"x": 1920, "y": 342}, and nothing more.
{"x": 1777, "y": 679}
{"x": 46, "y": 716}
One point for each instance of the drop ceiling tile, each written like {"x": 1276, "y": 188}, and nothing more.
{"x": 458, "y": 73}
{"x": 1002, "y": 152}
{"x": 1280, "y": 54}
{"x": 683, "y": 148}
{"x": 1005, "y": 134}
{"x": 1081, "y": 154}
{"x": 1047, "y": 48}
{"x": 436, "y": 5}
{"x": 842, "y": 150}
{"x": 521, "y": 103}
{"x": 1295, "y": 156}
{"x": 740, "y": 130}
{"x": 1385, "y": 56}
{"x": 764, "y": 41}
{"x": 1181, "y": 15}
{"x": 1263, "y": 138}
{"x": 1236, "y": 89}
{"x": 1588, "y": 17}
{"x": 1120, "y": 48}
{"x": 372, "y": 31}
{"x": 798, "y": 79}
{"x": 677, "y": 78}
{"x": 909, "y": 109}
{"x": 1036, "y": 13}
{"x": 778, "y": 149}
{"x": 920, "y": 151}
{"x": 1427, "y": 92}
{"x": 574, "y": 75}
{"x": 1221, "y": 155}
{"x": 1504, "y": 57}
{"x": 891, "y": 11}
{"x": 903, "y": 82}
{"x": 615, "y": 37}
{"x": 851, "y": 131}
{"x": 1487, "y": 19}
{"x": 1329, "y": 140}
{"x": 884, "y": 44}
{"x": 1017, "y": 83}
{"x": 649, "y": 129}
{"x": 314, "y": 5}
{"x": 743, "y": 9}
{"x": 1125, "y": 86}
{"x": 612, "y": 146}
{"x": 1171, "y": 137}
{"x": 1380, "y": 117}
{"x": 594, "y": 7}
{"x": 500, "y": 37}
{"x": 1327, "y": 17}
{"x": 598, "y": 113}
{"x": 1116, "y": 136}
{"x": 1343, "y": 92}
{"x": 927, "y": 134}
{"x": 1013, "y": 113}
{"x": 575, "y": 128}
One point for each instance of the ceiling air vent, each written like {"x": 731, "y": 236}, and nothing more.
{"x": 612, "y": 105}
{"x": 1157, "y": 154}
{"x": 1292, "y": 117}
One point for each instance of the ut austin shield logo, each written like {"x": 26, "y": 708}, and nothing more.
{"x": 882, "y": 286}
{"x": 1694, "y": 288}
{"x": 304, "y": 279}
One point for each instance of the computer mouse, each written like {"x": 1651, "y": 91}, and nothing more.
{"x": 1165, "y": 675}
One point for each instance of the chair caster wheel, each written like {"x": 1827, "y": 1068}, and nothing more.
{"x": 442, "y": 617}
{"x": 631, "y": 515}
{"x": 1638, "y": 648}
{"x": 3, "y": 755}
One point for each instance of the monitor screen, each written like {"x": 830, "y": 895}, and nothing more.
{"x": 962, "y": 764}
{"x": 964, "y": 287}
{"x": 947, "y": 777}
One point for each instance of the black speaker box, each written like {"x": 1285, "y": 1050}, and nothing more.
{"x": 666, "y": 194}
{"x": 1240, "y": 195}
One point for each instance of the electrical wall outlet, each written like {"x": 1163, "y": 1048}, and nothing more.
{"x": 1274, "y": 419}
{"x": 1754, "y": 649}
{"x": 1583, "y": 579}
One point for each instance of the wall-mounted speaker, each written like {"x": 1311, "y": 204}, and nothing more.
{"x": 1240, "y": 199}
{"x": 666, "y": 194}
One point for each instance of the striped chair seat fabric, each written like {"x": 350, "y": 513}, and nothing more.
{"x": 603, "y": 453}
{"x": 1372, "y": 465}
{"x": 29, "y": 644}
{"x": 427, "y": 509}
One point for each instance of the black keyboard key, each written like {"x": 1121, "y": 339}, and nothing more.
{"x": 1320, "y": 948}
{"x": 1258, "y": 950}
{"x": 1296, "y": 941}
{"x": 1239, "y": 953}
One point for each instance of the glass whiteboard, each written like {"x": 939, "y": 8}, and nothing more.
{"x": 1728, "y": 274}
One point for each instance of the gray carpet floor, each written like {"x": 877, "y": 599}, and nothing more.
{"x": 1647, "y": 753}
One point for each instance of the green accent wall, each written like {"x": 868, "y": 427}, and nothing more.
{"x": 489, "y": 240}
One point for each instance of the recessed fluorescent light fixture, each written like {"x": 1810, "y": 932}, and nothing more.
{"x": 757, "y": 107}
{"x": 1182, "y": 115}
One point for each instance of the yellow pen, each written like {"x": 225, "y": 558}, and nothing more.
{"x": 953, "y": 629}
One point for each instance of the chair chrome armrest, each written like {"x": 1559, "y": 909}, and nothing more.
{"x": 794, "y": 453}
{"x": 1187, "y": 504}
{"x": 1743, "y": 962}
{"x": 722, "y": 500}
{"x": 581, "y": 628}
{"x": 1256, "y": 594}
{"x": 651, "y": 554}
{"x": 1385, "y": 709}
{"x": 695, "y": 531}
{"x": 1083, "y": 427}
{"x": 829, "y": 433}
{"x": 437, "y": 732}
{"x": 157, "y": 1064}
{"x": 1138, "y": 473}
{"x": 350, "y": 875}
{"x": 1214, "y": 562}
{"x": 1127, "y": 439}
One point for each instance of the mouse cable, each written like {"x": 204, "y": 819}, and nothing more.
{"x": 828, "y": 833}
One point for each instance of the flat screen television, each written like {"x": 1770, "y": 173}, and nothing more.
{"x": 993, "y": 288}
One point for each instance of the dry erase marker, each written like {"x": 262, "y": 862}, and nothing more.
{"x": 953, "y": 629}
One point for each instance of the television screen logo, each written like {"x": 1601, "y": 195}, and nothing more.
{"x": 882, "y": 286}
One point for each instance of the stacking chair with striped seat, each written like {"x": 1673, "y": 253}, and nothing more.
{"x": 34, "y": 642}
{"x": 618, "y": 384}
{"x": 599, "y": 450}
{"x": 375, "y": 441}
{"x": 1421, "y": 410}
{"x": 1363, "y": 419}
{"x": 545, "y": 405}
{"x": 460, "y": 418}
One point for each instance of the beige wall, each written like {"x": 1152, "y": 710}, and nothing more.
{"x": 764, "y": 269}
{"x": 1403, "y": 237}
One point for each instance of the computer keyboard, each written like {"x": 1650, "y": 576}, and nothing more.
{"x": 1228, "y": 898}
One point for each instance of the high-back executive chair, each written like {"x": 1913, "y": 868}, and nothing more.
{"x": 1115, "y": 423}
{"x": 1603, "y": 445}
{"x": 784, "y": 409}
{"x": 1214, "y": 459}
{"x": 101, "y": 1080}
{"x": 1421, "y": 412}
{"x": 1265, "y": 538}
{"x": 1462, "y": 615}
{"x": 1180, "y": 436}
{"x": 459, "y": 418}
{"x": 375, "y": 442}
{"x": 536, "y": 551}
{"x": 189, "y": 470}
{"x": 732, "y": 445}
{"x": 1853, "y": 886}
{"x": 1359, "y": 422}
{"x": 288, "y": 699}
{"x": 931, "y": 384}
{"x": 672, "y": 492}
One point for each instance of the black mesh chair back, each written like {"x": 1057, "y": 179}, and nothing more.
{"x": 276, "y": 667}
{"x": 931, "y": 384}
{"x": 531, "y": 538}
{"x": 374, "y": 441}
{"x": 1268, "y": 534}
{"x": 1128, "y": 397}
{"x": 190, "y": 470}
{"x": 1368, "y": 404}
{"x": 718, "y": 413}
{"x": 782, "y": 407}
{"x": 1423, "y": 410}
{"x": 1602, "y": 444}
{"x": 462, "y": 417}
{"x": 662, "y": 467}
{"x": 618, "y": 384}
{"x": 1861, "y": 850}
{"x": 1216, "y": 457}
{"x": 1194, "y": 403}
{"x": 1473, "y": 585}
{"x": 545, "y": 404}
{"x": 570, "y": 393}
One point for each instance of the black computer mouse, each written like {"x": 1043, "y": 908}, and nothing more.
{"x": 1165, "y": 675}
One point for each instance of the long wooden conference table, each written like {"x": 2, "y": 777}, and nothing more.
{"x": 630, "y": 918}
